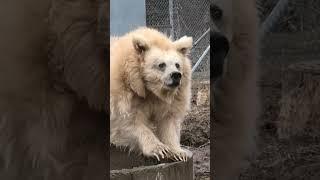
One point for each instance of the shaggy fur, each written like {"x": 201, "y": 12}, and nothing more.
{"x": 52, "y": 107}
{"x": 236, "y": 104}
{"x": 145, "y": 113}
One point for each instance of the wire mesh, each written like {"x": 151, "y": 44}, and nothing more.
{"x": 178, "y": 18}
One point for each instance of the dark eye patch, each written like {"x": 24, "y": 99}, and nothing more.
{"x": 162, "y": 65}
{"x": 177, "y": 66}
{"x": 216, "y": 12}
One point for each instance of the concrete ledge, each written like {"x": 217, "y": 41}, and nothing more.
{"x": 125, "y": 166}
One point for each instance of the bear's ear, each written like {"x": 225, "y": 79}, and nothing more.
{"x": 184, "y": 44}
{"x": 140, "y": 44}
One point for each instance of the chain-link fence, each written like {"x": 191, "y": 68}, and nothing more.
{"x": 177, "y": 18}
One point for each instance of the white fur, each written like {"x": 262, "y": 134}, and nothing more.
{"x": 145, "y": 114}
{"x": 236, "y": 95}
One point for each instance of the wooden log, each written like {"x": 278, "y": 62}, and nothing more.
{"x": 300, "y": 101}
{"x": 125, "y": 166}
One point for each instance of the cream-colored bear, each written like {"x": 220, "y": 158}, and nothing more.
{"x": 150, "y": 90}
{"x": 236, "y": 102}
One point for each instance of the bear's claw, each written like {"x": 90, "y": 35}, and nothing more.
{"x": 159, "y": 150}
{"x": 180, "y": 154}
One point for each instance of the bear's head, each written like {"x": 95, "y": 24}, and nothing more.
{"x": 164, "y": 64}
{"x": 220, "y": 36}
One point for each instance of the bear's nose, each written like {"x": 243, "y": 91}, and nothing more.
{"x": 176, "y": 76}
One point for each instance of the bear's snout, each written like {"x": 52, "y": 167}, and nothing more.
{"x": 175, "y": 77}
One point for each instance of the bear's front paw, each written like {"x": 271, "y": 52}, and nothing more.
{"x": 180, "y": 154}
{"x": 157, "y": 150}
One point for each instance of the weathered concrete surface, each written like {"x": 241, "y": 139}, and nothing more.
{"x": 125, "y": 166}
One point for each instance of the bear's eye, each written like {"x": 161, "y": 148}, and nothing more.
{"x": 162, "y": 65}
{"x": 177, "y": 65}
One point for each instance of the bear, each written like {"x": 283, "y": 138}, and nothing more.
{"x": 235, "y": 94}
{"x": 150, "y": 92}
{"x": 53, "y": 100}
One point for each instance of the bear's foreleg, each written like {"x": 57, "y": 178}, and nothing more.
{"x": 137, "y": 134}
{"x": 169, "y": 133}
{"x": 150, "y": 145}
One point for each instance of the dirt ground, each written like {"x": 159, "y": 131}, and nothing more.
{"x": 296, "y": 158}
{"x": 196, "y": 133}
